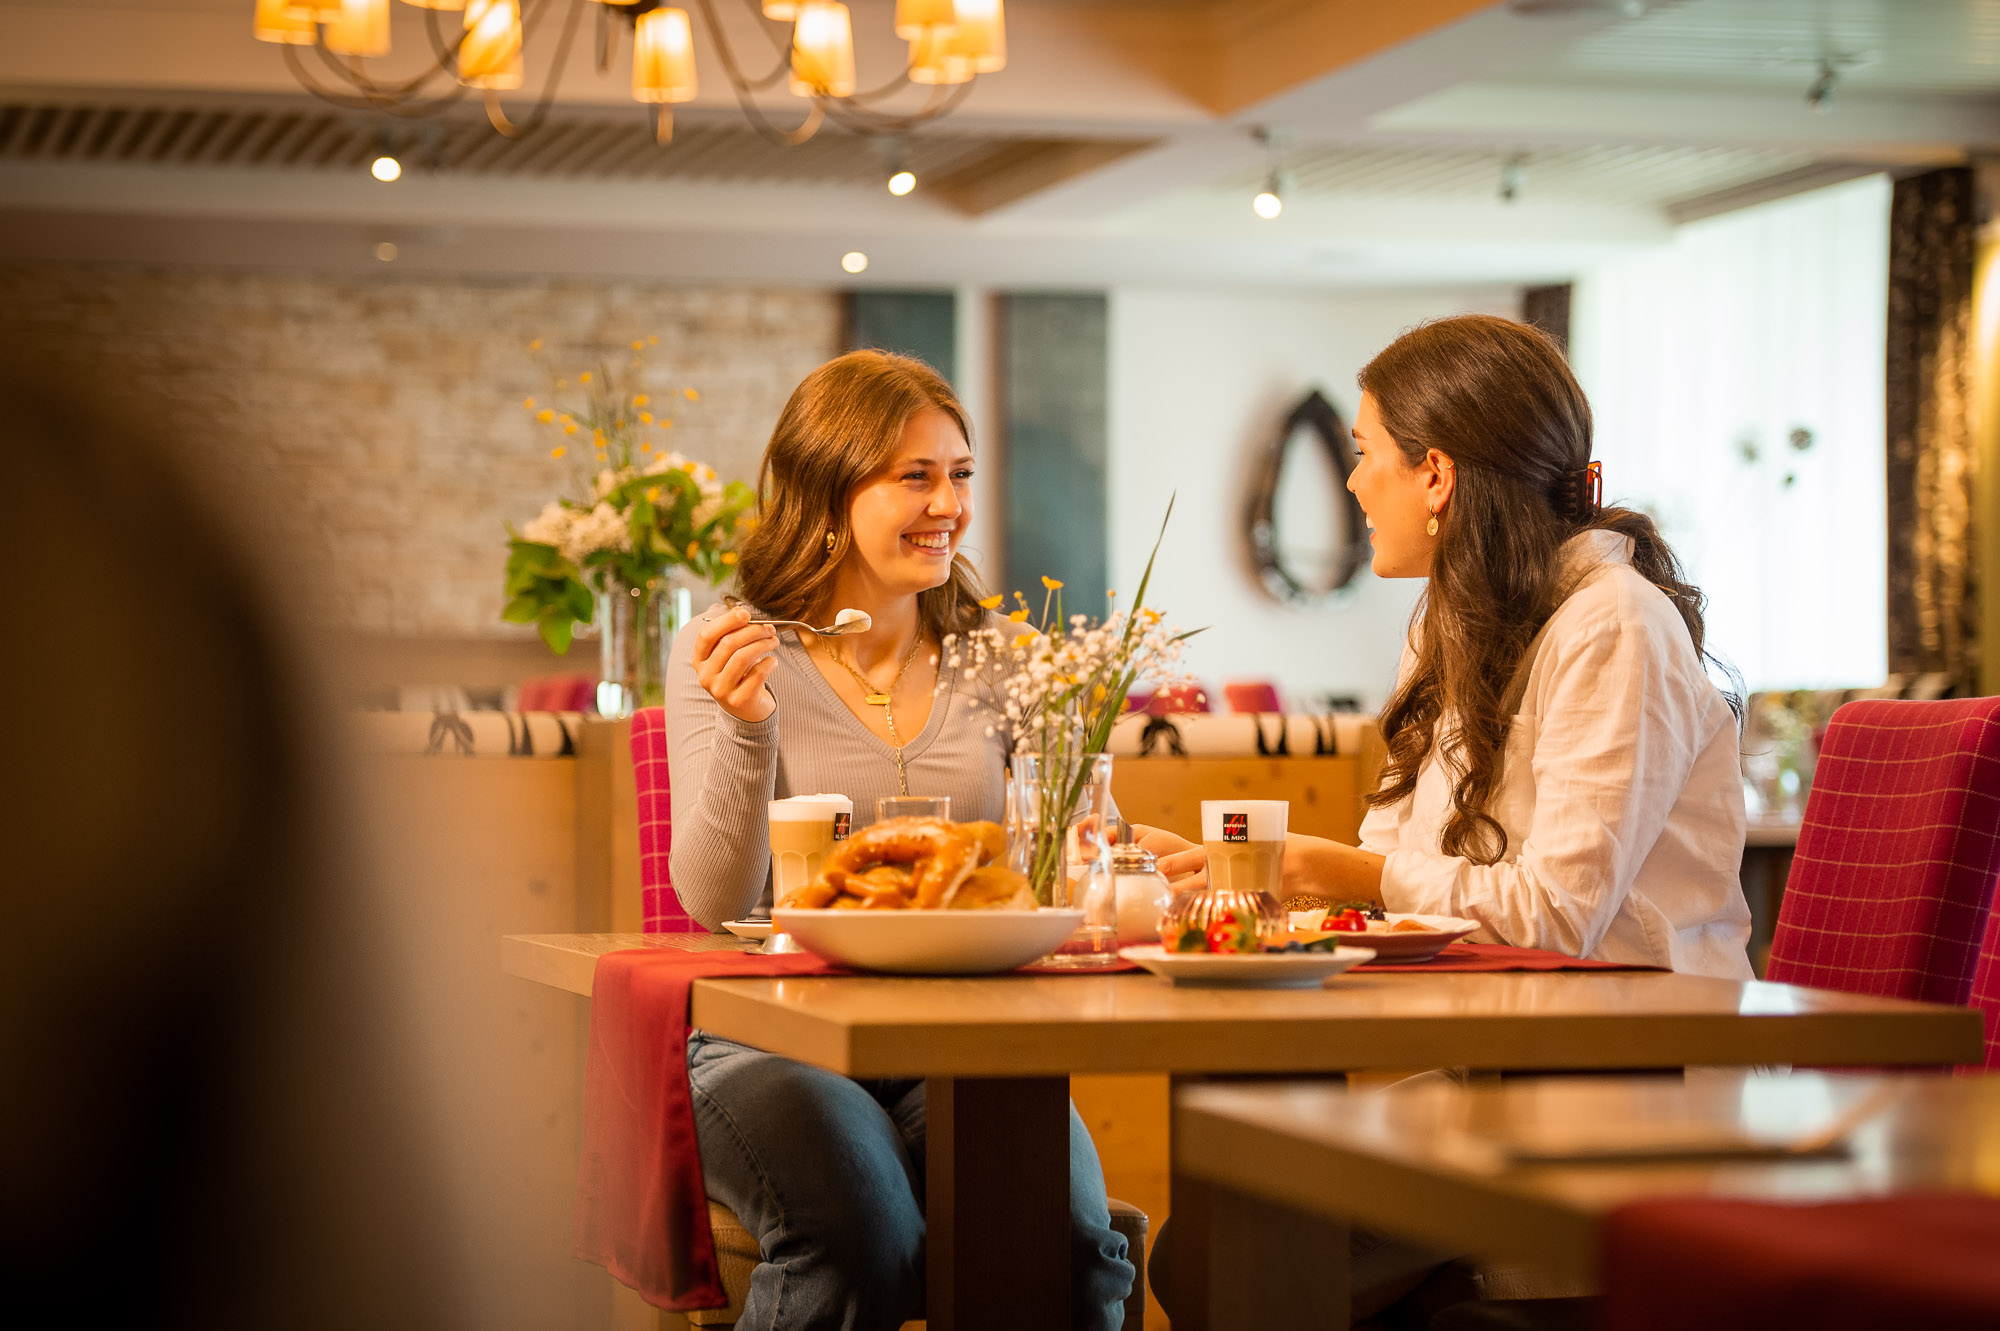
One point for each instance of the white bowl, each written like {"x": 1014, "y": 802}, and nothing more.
{"x": 929, "y": 942}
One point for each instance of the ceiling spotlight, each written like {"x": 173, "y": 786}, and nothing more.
{"x": 902, "y": 183}
{"x": 1821, "y": 90}
{"x": 854, "y": 261}
{"x": 386, "y": 251}
{"x": 385, "y": 168}
{"x": 1513, "y": 175}
{"x": 1270, "y": 200}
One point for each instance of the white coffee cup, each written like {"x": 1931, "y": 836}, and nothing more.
{"x": 803, "y": 829}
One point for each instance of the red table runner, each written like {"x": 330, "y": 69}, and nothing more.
{"x": 1913, "y": 1261}
{"x": 1498, "y": 957}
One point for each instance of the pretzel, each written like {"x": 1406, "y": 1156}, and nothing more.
{"x": 916, "y": 863}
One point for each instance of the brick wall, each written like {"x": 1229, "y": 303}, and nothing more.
{"x": 372, "y": 430}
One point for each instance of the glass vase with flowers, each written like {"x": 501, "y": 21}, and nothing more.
{"x": 639, "y": 521}
{"x": 1056, "y": 690}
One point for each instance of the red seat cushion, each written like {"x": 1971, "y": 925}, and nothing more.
{"x": 1898, "y": 853}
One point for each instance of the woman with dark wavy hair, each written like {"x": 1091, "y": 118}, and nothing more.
{"x": 1560, "y": 767}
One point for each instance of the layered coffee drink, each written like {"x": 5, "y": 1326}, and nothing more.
{"x": 803, "y": 829}
{"x": 1245, "y": 842}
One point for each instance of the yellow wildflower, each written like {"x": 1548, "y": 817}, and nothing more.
{"x": 640, "y": 399}
{"x": 562, "y": 383}
{"x": 652, "y": 494}
{"x": 992, "y": 602}
{"x": 1018, "y": 616}
{"x": 598, "y": 437}
{"x": 645, "y": 448}
{"x": 529, "y": 405}
{"x": 653, "y": 341}
{"x": 570, "y": 428}
{"x": 1050, "y": 583}
{"x": 694, "y": 548}
{"x": 545, "y": 415}
{"x": 645, "y": 418}
{"x": 691, "y": 395}
{"x": 564, "y": 418}
{"x": 667, "y": 423}
{"x": 688, "y": 467}
{"x": 638, "y": 346}
{"x": 557, "y": 451}
{"x": 729, "y": 557}
{"x": 602, "y": 456}
{"x": 535, "y": 345}
{"x": 583, "y": 378}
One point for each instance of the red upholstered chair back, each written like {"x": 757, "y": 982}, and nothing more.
{"x": 661, "y": 909}
{"x": 1176, "y": 698}
{"x": 1894, "y": 875}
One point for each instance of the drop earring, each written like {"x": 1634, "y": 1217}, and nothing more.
{"x": 1431, "y": 527}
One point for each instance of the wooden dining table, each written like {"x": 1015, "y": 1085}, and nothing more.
{"x": 1479, "y": 1170}
{"x": 997, "y": 1052}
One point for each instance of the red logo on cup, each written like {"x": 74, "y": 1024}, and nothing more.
{"x": 1235, "y": 827}
{"x": 841, "y": 822}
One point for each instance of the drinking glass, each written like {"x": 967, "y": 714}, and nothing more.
{"x": 912, "y": 806}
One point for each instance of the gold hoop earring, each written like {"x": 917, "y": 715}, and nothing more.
{"x": 829, "y": 542}
{"x": 1431, "y": 527}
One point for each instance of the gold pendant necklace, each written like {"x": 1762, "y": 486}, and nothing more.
{"x": 884, "y": 699}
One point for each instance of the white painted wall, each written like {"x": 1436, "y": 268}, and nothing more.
{"x": 1200, "y": 380}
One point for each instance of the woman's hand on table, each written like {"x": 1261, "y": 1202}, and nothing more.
{"x": 732, "y": 660}
{"x": 1177, "y": 857}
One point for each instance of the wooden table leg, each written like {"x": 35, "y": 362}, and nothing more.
{"x": 1241, "y": 1263}
{"x": 997, "y": 1202}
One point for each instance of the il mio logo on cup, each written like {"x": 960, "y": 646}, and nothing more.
{"x": 1235, "y": 827}
{"x": 842, "y": 822}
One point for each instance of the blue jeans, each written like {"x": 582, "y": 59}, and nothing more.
{"x": 828, "y": 1173}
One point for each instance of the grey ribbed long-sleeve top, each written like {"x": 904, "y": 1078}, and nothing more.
{"x": 722, "y": 771}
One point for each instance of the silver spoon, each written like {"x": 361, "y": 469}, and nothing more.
{"x": 844, "y": 623}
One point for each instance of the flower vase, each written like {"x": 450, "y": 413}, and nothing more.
{"x": 636, "y": 628}
{"x": 1057, "y": 814}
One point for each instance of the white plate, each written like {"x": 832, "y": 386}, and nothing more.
{"x": 929, "y": 942}
{"x": 1389, "y": 945}
{"x": 1286, "y": 970}
{"x": 748, "y": 928}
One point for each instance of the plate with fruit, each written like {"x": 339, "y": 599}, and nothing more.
{"x": 1232, "y": 952}
{"x": 1392, "y": 936}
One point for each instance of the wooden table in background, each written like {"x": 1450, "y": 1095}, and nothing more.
{"x": 997, "y": 1053}
{"x": 1415, "y": 1160}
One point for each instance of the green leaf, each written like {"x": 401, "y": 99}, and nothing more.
{"x": 557, "y": 632}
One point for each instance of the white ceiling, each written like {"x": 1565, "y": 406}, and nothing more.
{"x": 1116, "y": 147}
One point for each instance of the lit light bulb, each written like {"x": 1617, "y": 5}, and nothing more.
{"x": 386, "y": 251}
{"x": 854, "y": 261}
{"x": 385, "y": 169}
{"x": 902, "y": 183}
{"x": 1267, "y": 203}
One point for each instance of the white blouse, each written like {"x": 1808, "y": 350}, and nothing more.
{"x": 1620, "y": 793}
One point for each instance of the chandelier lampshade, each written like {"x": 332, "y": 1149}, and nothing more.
{"x": 914, "y": 18}
{"x": 822, "y": 51}
{"x": 436, "y": 4}
{"x": 319, "y": 11}
{"x": 932, "y": 62}
{"x": 979, "y": 34}
{"x": 663, "y": 57}
{"x": 277, "y": 22}
{"x": 490, "y": 54}
{"x": 784, "y": 11}
{"x": 362, "y": 29}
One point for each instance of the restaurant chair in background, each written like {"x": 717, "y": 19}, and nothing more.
{"x": 660, "y": 908}
{"x": 1251, "y": 695}
{"x": 1986, "y": 990}
{"x": 557, "y": 693}
{"x": 1893, "y": 878}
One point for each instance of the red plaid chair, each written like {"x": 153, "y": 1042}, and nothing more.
{"x": 1252, "y": 695}
{"x": 1986, "y": 988}
{"x": 661, "y": 909}
{"x": 1898, "y": 853}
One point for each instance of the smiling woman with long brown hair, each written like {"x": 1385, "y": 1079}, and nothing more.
{"x": 1560, "y": 767}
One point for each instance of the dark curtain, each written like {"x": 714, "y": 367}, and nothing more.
{"x": 1933, "y": 550}
{"x": 1547, "y": 308}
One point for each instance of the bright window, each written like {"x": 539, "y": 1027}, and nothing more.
{"x": 1736, "y": 375}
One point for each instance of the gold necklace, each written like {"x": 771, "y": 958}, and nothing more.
{"x": 884, "y": 700}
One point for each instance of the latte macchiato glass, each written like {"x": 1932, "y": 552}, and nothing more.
{"x": 1245, "y": 841}
{"x": 803, "y": 829}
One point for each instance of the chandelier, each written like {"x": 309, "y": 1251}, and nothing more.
{"x": 951, "y": 43}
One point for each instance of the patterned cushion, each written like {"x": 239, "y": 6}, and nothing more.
{"x": 1986, "y": 988}
{"x": 661, "y": 910}
{"x": 1898, "y": 852}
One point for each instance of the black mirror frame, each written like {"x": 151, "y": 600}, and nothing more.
{"x": 1316, "y": 412}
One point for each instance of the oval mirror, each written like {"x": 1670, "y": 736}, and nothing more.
{"x": 1308, "y": 537}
